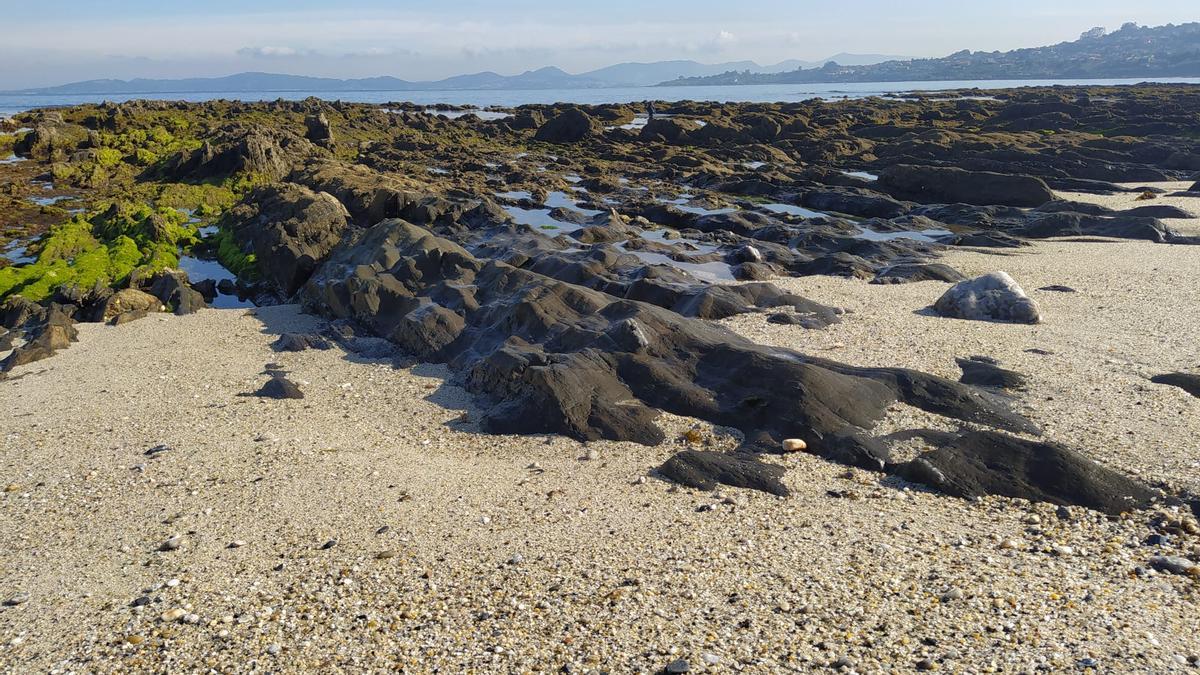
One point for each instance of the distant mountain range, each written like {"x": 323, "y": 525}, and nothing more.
{"x": 620, "y": 75}
{"x": 1131, "y": 52}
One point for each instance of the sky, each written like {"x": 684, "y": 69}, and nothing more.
{"x": 58, "y": 41}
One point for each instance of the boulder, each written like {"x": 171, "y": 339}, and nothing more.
{"x": 128, "y": 300}
{"x": 172, "y": 289}
{"x": 991, "y": 297}
{"x": 948, "y": 185}
{"x": 318, "y": 130}
{"x": 570, "y": 126}
{"x": 290, "y": 229}
{"x": 670, "y": 129}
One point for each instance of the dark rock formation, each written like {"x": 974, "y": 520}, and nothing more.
{"x": 298, "y": 342}
{"x": 544, "y": 356}
{"x": 982, "y": 371}
{"x": 45, "y": 336}
{"x": 949, "y": 185}
{"x": 173, "y": 290}
{"x": 705, "y": 470}
{"x": 278, "y": 387}
{"x": 1189, "y": 382}
{"x": 290, "y": 229}
{"x": 903, "y": 273}
{"x": 571, "y": 126}
{"x": 669, "y": 129}
{"x": 987, "y": 463}
{"x": 318, "y": 129}
{"x": 261, "y": 151}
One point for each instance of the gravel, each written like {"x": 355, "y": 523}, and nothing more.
{"x": 616, "y": 569}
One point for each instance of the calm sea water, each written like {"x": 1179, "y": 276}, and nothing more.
{"x": 11, "y": 104}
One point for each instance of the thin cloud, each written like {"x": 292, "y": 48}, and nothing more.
{"x": 273, "y": 52}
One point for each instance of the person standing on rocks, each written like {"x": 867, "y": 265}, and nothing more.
{"x": 650, "y": 112}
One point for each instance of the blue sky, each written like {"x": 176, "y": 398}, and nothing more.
{"x": 52, "y": 42}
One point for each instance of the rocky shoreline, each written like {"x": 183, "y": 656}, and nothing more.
{"x": 659, "y": 289}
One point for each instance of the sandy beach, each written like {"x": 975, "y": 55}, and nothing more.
{"x": 369, "y": 528}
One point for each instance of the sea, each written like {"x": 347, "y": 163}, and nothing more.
{"x": 11, "y": 104}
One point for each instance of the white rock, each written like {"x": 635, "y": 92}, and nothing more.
{"x": 991, "y": 297}
{"x": 794, "y": 445}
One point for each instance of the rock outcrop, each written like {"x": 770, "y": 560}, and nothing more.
{"x": 949, "y": 185}
{"x": 570, "y": 126}
{"x": 290, "y": 229}
{"x": 259, "y": 151}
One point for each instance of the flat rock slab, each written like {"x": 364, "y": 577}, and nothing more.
{"x": 1189, "y": 382}
{"x": 981, "y": 371}
{"x": 704, "y": 470}
{"x": 988, "y": 463}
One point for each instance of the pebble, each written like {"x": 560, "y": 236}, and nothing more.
{"x": 171, "y": 543}
{"x": 329, "y": 544}
{"x": 1174, "y": 565}
{"x": 1062, "y": 550}
{"x": 273, "y": 649}
{"x": 140, "y": 601}
{"x": 925, "y": 664}
{"x": 158, "y": 450}
{"x": 710, "y": 659}
{"x": 516, "y": 559}
{"x": 678, "y": 666}
{"x": 383, "y": 530}
{"x": 172, "y": 583}
{"x": 592, "y": 454}
{"x": 952, "y": 594}
{"x": 794, "y": 445}
{"x": 173, "y": 615}
{"x": 18, "y": 599}
{"x": 237, "y": 543}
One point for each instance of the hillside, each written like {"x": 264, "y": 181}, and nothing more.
{"x": 1132, "y": 51}
{"x": 618, "y": 75}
